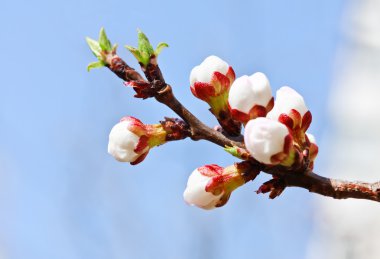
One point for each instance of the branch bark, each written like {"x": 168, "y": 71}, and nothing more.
{"x": 335, "y": 188}
{"x": 162, "y": 92}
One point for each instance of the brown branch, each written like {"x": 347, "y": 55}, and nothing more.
{"x": 283, "y": 177}
{"x": 337, "y": 189}
{"x": 121, "y": 69}
{"x": 198, "y": 129}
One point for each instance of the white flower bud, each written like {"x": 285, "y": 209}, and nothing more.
{"x": 287, "y": 99}
{"x": 204, "y": 72}
{"x": 265, "y": 139}
{"x": 248, "y": 91}
{"x": 196, "y": 194}
{"x": 123, "y": 142}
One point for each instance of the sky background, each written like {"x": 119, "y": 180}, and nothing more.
{"x": 63, "y": 196}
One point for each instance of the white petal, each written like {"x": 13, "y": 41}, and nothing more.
{"x": 122, "y": 143}
{"x": 203, "y": 72}
{"x": 248, "y": 91}
{"x": 195, "y": 192}
{"x": 286, "y": 100}
{"x": 193, "y": 74}
{"x": 264, "y": 138}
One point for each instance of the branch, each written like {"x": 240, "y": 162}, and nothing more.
{"x": 156, "y": 87}
{"x": 337, "y": 189}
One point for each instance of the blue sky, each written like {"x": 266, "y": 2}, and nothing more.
{"x": 63, "y": 196}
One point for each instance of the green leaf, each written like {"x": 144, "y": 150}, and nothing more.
{"x": 233, "y": 151}
{"x": 104, "y": 42}
{"x": 143, "y": 43}
{"x": 160, "y": 47}
{"x": 94, "y": 46}
{"x": 144, "y": 46}
{"x": 97, "y": 64}
{"x": 135, "y": 52}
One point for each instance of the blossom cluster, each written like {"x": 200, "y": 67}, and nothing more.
{"x": 274, "y": 130}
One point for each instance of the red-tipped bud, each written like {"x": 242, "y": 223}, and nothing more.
{"x": 290, "y": 109}
{"x": 211, "y": 81}
{"x": 130, "y": 140}
{"x": 268, "y": 141}
{"x": 250, "y": 97}
{"x": 211, "y": 186}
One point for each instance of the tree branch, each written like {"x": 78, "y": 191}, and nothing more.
{"x": 337, "y": 189}
{"x": 299, "y": 177}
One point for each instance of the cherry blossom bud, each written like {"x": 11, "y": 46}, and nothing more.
{"x": 210, "y": 186}
{"x": 290, "y": 109}
{"x": 268, "y": 141}
{"x": 250, "y": 97}
{"x": 211, "y": 81}
{"x": 130, "y": 140}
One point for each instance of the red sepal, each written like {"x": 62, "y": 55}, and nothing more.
{"x": 202, "y": 91}
{"x": 231, "y": 75}
{"x": 255, "y": 112}
{"x": 220, "y": 82}
{"x": 238, "y": 115}
{"x": 142, "y": 144}
{"x": 281, "y": 156}
{"x": 135, "y": 125}
{"x": 140, "y": 158}
{"x": 306, "y": 121}
{"x": 286, "y": 119}
{"x": 210, "y": 170}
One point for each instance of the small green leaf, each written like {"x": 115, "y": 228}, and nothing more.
{"x": 94, "y": 46}
{"x": 143, "y": 43}
{"x": 135, "y": 52}
{"x": 233, "y": 151}
{"x": 104, "y": 42}
{"x": 97, "y": 64}
{"x": 160, "y": 47}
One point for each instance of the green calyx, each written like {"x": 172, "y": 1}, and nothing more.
{"x": 144, "y": 51}
{"x": 157, "y": 135}
{"x": 100, "y": 49}
{"x": 219, "y": 103}
{"x": 233, "y": 178}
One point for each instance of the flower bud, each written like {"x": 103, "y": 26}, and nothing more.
{"x": 130, "y": 140}
{"x": 211, "y": 80}
{"x": 290, "y": 109}
{"x": 250, "y": 97}
{"x": 268, "y": 141}
{"x": 210, "y": 186}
